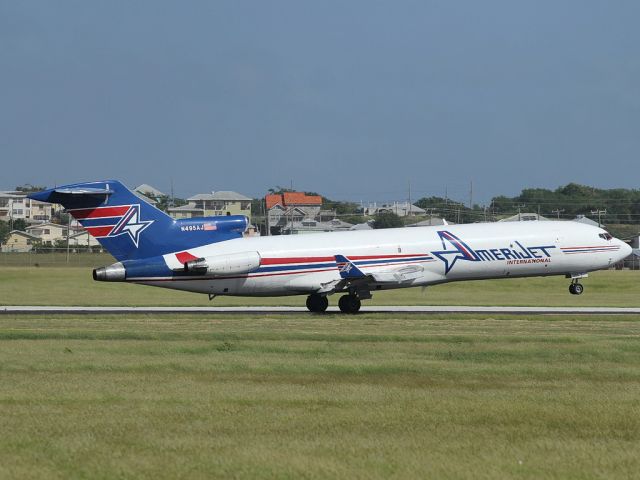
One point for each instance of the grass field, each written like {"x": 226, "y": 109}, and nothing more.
{"x": 74, "y": 286}
{"x": 368, "y": 396}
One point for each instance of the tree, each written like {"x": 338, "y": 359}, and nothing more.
{"x": 165, "y": 202}
{"x": 28, "y": 188}
{"x": 387, "y": 220}
{"x": 20, "y": 224}
{"x": 4, "y": 231}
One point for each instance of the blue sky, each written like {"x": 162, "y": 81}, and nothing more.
{"x": 349, "y": 99}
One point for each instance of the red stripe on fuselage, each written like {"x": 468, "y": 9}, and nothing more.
{"x": 287, "y": 260}
{"x": 100, "y": 212}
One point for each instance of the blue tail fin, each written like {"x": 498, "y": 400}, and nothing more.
{"x": 130, "y": 228}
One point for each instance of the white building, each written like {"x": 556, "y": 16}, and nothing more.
{"x": 223, "y": 202}
{"x": 313, "y": 226}
{"x": 15, "y": 205}
{"x": 402, "y": 209}
{"x": 48, "y": 233}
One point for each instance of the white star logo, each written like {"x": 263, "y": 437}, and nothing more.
{"x": 461, "y": 251}
{"x": 131, "y": 225}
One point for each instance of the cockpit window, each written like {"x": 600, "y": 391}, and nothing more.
{"x": 606, "y": 236}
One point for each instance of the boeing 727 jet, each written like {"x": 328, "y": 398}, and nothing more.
{"x": 210, "y": 255}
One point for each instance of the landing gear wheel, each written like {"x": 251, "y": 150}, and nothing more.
{"x": 576, "y": 289}
{"x": 317, "y": 303}
{"x": 349, "y": 304}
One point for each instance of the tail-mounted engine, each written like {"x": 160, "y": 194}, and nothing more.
{"x": 231, "y": 264}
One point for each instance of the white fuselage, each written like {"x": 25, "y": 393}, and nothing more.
{"x": 304, "y": 264}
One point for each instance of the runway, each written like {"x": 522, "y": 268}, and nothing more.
{"x": 419, "y": 309}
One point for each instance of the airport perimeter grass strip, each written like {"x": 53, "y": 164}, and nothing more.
{"x": 368, "y": 396}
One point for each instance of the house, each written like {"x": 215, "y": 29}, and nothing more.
{"x": 83, "y": 239}
{"x": 291, "y": 208}
{"x": 11, "y": 206}
{"x": 19, "y": 241}
{"x": 314, "y": 226}
{"x": 185, "y": 211}
{"x": 39, "y": 211}
{"x": 15, "y": 205}
{"x": 48, "y": 233}
{"x": 401, "y": 209}
{"x": 222, "y": 202}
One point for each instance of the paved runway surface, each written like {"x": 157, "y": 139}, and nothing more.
{"x": 291, "y": 310}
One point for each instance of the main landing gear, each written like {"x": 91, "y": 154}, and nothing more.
{"x": 349, "y": 303}
{"x": 317, "y": 303}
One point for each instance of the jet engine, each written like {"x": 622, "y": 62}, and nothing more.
{"x": 231, "y": 264}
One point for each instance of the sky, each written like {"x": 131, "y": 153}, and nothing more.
{"x": 355, "y": 100}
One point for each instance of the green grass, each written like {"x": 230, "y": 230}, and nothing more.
{"x": 55, "y": 259}
{"x": 74, "y": 286}
{"x": 370, "y": 396}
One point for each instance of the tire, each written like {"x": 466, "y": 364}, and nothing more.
{"x": 572, "y": 290}
{"x": 578, "y": 289}
{"x": 349, "y": 304}
{"x": 317, "y": 303}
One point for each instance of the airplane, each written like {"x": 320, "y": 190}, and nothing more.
{"x": 210, "y": 255}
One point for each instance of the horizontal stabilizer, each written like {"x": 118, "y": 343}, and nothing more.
{"x": 83, "y": 191}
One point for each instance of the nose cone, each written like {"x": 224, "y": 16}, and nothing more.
{"x": 625, "y": 250}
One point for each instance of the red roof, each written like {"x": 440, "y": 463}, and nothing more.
{"x": 273, "y": 199}
{"x": 299, "y": 198}
{"x": 288, "y": 199}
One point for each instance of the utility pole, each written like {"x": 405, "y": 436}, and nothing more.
{"x": 520, "y": 207}
{"x": 291, "y": 210}
{"x": 68, "y": 231}
{"x": 558, "y": 211}
{"x": 471, "y": 195}
{"x": 599, "y": 213}
{"x": 409, "y": 206}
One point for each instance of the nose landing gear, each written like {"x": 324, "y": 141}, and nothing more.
{"x": 576, "y": 288}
